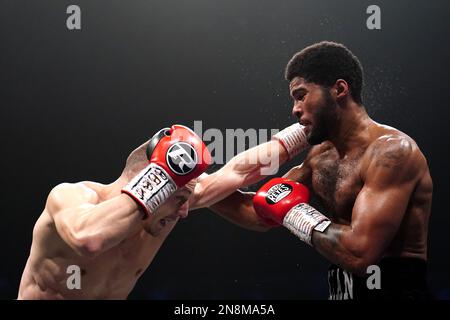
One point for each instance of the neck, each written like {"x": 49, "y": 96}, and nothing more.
{"x": 352, "y": 130}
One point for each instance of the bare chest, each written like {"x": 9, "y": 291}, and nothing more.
{"x": 337, "y": 182}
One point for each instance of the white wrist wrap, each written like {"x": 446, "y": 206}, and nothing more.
{"x": 302, "y": 219}
{"x": 293, "y": 138}
{"x": 150, "y": 187}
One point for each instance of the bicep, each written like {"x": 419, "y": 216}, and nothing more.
{"x": 64, "y": 201}
{"x": 378, "y": 213}
{"x": 70, "y": 217}
{"x": 64, "y": 204}
{"x": 83, "y": 223}
{"x": 376, "y": 217}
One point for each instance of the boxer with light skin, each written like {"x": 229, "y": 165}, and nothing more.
{"x": 113, "y": 231}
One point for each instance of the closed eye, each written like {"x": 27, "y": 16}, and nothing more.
{"x": 182, "y": 199}
{"x": 299, "y": 94}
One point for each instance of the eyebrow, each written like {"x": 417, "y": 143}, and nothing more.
{"x": 182, "y": 198}
{"x": 189, "y": 189}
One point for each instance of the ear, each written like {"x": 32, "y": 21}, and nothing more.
{"x": 341, "y": 88}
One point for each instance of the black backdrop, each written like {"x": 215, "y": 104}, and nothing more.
{"x": 74, "y": 103}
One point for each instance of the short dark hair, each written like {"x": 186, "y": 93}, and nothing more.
{"x": 325, "y": 62}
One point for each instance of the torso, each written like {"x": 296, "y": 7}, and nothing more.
{"x": 336, "y": 181}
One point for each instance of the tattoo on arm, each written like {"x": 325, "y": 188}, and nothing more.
{"x": 392, "y": 155}
{"x": 329, "y": 244}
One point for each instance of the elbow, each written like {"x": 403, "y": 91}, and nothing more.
{"x": 359, "y": 266}
{"x": 87, "y": 246}
{"x": 362, "y": 256}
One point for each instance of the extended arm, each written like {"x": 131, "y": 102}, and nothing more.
{"x": 242, "y": 170}
{"x": 249, "y": 167}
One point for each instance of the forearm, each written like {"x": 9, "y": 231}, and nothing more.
{"x": 95, "y": 229}
{"x": 241, "y": 171}
{"x": 251, "y": 166}
{"x": 340, "y": 246}
{"x": 262, "y": 160}
{"x": 238, "y": 209}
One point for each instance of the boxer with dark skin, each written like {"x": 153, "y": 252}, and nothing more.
{"x": 372, "y": 179}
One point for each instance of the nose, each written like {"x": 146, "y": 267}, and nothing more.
{"x": 183, "y": 210}
{"x": 297, "y": 110}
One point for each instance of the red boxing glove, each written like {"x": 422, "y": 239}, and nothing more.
{"x": 275, "y": 198}
{"x": 286, "y": 202}
{"x": 177, "y": 155}
{"x": 180, "y": 152}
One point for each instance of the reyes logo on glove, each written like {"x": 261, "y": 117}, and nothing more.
{"x": 181, "y": 158}
{"x": 278, "y": 192}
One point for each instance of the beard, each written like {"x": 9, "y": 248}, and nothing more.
{"x": 324, "y": 119}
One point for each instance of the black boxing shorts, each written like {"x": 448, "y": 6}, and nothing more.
{"x": 399, "y": 279}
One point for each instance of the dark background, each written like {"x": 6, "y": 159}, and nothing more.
{"x": 75, "y": 103}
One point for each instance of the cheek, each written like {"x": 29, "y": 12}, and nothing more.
{"x": 317, "y": 107}
{"x": 310, "y": 105}
{"x": 160, "y": 212}
{"x": 149, "y": 225}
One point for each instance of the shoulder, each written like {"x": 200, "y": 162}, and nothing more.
{"x": 65, "y": 195}
{"x": 391, "y": 149}
{"x": 393, "y": 156}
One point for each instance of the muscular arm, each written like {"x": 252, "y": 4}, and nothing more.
{"x": 91, "y": 228}
{"x": 378, "y": 211}
{"x": 238, "y": 207}
{"x": 243, "y": 170}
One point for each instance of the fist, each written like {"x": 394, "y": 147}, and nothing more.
{"x": 180, "y": 152}
{"x": 275, "y": 198}
{"x": 176, "y": 155}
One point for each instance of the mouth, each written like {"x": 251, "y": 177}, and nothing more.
{"x": 308, "y": 129}
{"x": 307, "y": 126}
